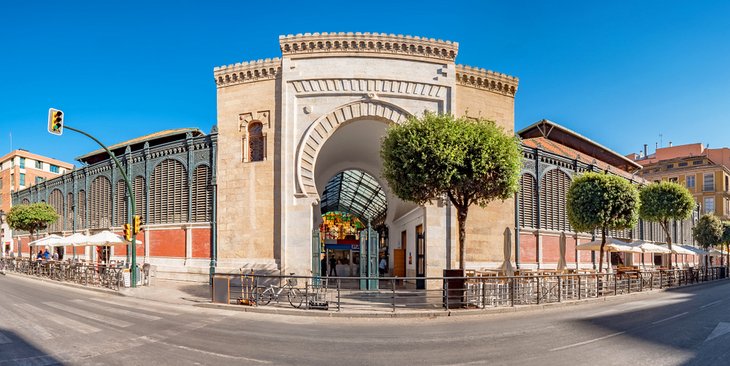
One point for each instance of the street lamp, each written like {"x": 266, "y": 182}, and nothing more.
{"x": 56, "y": 124}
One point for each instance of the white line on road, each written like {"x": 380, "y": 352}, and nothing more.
{"x": 100, "y": 318}
{"x": 215, "y": 354}
{"x": 710, "y": 304}
{"x": 145, "y": 308}
{"x": 587, "y": 342}
{"x": 4, "y": 339}
{"x": 670, "y": 318}
{"x": 120, "y": 311}
{"x": 62, "y": 320}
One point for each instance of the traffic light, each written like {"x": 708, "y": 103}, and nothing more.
{"x": 127, "y": 232}
{"x": 137, "y": 225}
{"x": 55, "y": 121}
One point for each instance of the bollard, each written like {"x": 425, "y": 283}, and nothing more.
{"x": 392, "y": 286}
{"x": 338, "y": 294}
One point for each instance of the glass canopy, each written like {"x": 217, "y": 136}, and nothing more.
{"x": 354, "y": 192}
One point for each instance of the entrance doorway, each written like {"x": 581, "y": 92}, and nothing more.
{"x": 352, "y": 203}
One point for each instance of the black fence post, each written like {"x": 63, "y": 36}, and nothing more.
{"x": 512, "y": 291}
{"x": 560, "y": 289}
{"x": 338, "y": 294}
{"x": 579, "y": 285}
{"x": 446, "y": 293}
{"x": 538, "y": 289}
{"x": 392, "y": 286}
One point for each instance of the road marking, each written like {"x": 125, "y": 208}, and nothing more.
{"x": 27, "y": 322}
{"x": 83, "y": 313}
{"x": 721, "y": 329}
{"x": 4, "y": 339}
{"x": 215, "y": 354}
{"x": 670, "y": 318}
{"x": 120, "y": 311}
{"x": 710, "y": 304}
{"x": 145, "y": 308}
{"x": 62, "y": 320}
{"x": 587, "y": 342}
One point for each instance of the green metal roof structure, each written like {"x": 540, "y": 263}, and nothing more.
{"x": 357, "y": 193}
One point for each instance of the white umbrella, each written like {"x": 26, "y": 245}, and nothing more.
{"x": 561, "y": 260}
{"x": 507, "y": 265}
{"x": 612, "y": 245}
{"x": 49, "y": 241}
{"x": 105, "y": 238}
{"x": 696, "y": 251}
{"x": 678, "y": 249}
{"x": 647, "y": 247}
{"x": 77, "y": 238}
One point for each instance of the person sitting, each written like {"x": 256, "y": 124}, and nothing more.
{"x": 46, "y": 255}
{"x": 39, "y": 256}
{"x": 55, "y": 256}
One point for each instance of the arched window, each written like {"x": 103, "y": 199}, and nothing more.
{"x": 139, "y": 197}
{"x": 202, "y": 204}
{"x": 100, "y": 198}
{"x": 168, "y": 193}
{"x": 56, "y": 201}
{"x": 528, "y": 201}
{"x": 81, "y": 211}
{"x": 553, "y": 191}
{"x": 256, "y": 144}
{"x": 120, "y": 203}
{"x": 69, "y": 211}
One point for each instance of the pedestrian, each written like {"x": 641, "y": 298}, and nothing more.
{"x": 324, "y": 266}
{"x": 382, "y": 265}
{"x": 333, "y": 266}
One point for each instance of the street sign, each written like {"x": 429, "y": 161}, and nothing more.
{"x": 55, "y": 121}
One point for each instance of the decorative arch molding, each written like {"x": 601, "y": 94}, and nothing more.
{"x": 325, "y": 126}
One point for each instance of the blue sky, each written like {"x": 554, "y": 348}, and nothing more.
{"x": 621, "y": 73}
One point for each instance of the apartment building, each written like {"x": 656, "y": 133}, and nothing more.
{"x": 21, "y": 169}
{"x": 704, "y": 171}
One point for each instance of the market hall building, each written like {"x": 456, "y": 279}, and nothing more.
{"x": 293, "y": 168}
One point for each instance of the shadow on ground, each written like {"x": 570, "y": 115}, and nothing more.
{"x": 16, "y": 350}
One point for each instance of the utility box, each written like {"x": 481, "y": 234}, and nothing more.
{"x": 454, "y": 288}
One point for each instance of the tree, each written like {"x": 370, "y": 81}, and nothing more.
{"x": 602, "y": 202}
{"x": 708, "y": 232}
{"x": 665, "y": 201}
{"x": 468, "y": 161}
{"x": 726, "y": 240}
{"x": 31, "y": 218}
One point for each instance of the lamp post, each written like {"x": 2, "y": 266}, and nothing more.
{"x": 55, "y": 126}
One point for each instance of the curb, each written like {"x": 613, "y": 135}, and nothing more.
{"x": 443, "y": 313}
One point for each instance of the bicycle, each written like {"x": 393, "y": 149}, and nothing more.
{"x": 295, "y": 295}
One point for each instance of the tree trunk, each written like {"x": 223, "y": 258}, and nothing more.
{"x": 665, "y": 227}
{"x": 603, "y": 243}
{"x": 461, "y": 215}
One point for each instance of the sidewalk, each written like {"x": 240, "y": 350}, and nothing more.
{"x": 173, "y": 292}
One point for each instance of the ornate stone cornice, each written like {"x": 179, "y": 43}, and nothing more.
{"x": 373, "y": 43}
{"x": 246, "y": 72}
{"x": 487, "y": 80}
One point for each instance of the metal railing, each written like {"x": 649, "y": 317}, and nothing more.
{"x": 86, "y": 274}
{"x": 400, "y": 293}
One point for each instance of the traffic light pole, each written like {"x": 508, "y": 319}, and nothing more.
{"x": 132, "y": 206}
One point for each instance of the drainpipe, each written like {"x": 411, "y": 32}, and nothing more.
{"x": 517, "y": 231}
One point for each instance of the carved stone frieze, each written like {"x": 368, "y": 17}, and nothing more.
{"x": 486, "y": 79}
{"x": 374, "y": 43}
{"x": 328, "y": 86}
{"x": 246, "y": 72}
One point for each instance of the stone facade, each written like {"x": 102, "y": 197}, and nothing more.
{"x": 324, "y": 105}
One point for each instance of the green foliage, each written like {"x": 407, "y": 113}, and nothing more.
{"x": 472, "y": 161}
{"x": 708, "y": 231}
{"x": 665, "y": 201}
{"x": 31, "y": 218}
{"x": 725, "y": 232}
{"x": 602, "y": 201}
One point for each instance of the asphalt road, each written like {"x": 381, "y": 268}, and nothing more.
{"x": 46, "y": 324}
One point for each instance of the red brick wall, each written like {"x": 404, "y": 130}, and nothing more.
{"x": 167, "y": 243}
{"x": 201, "y": 243}
{"x": 550, "y": 249}
{"x": 528, "y": 248}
